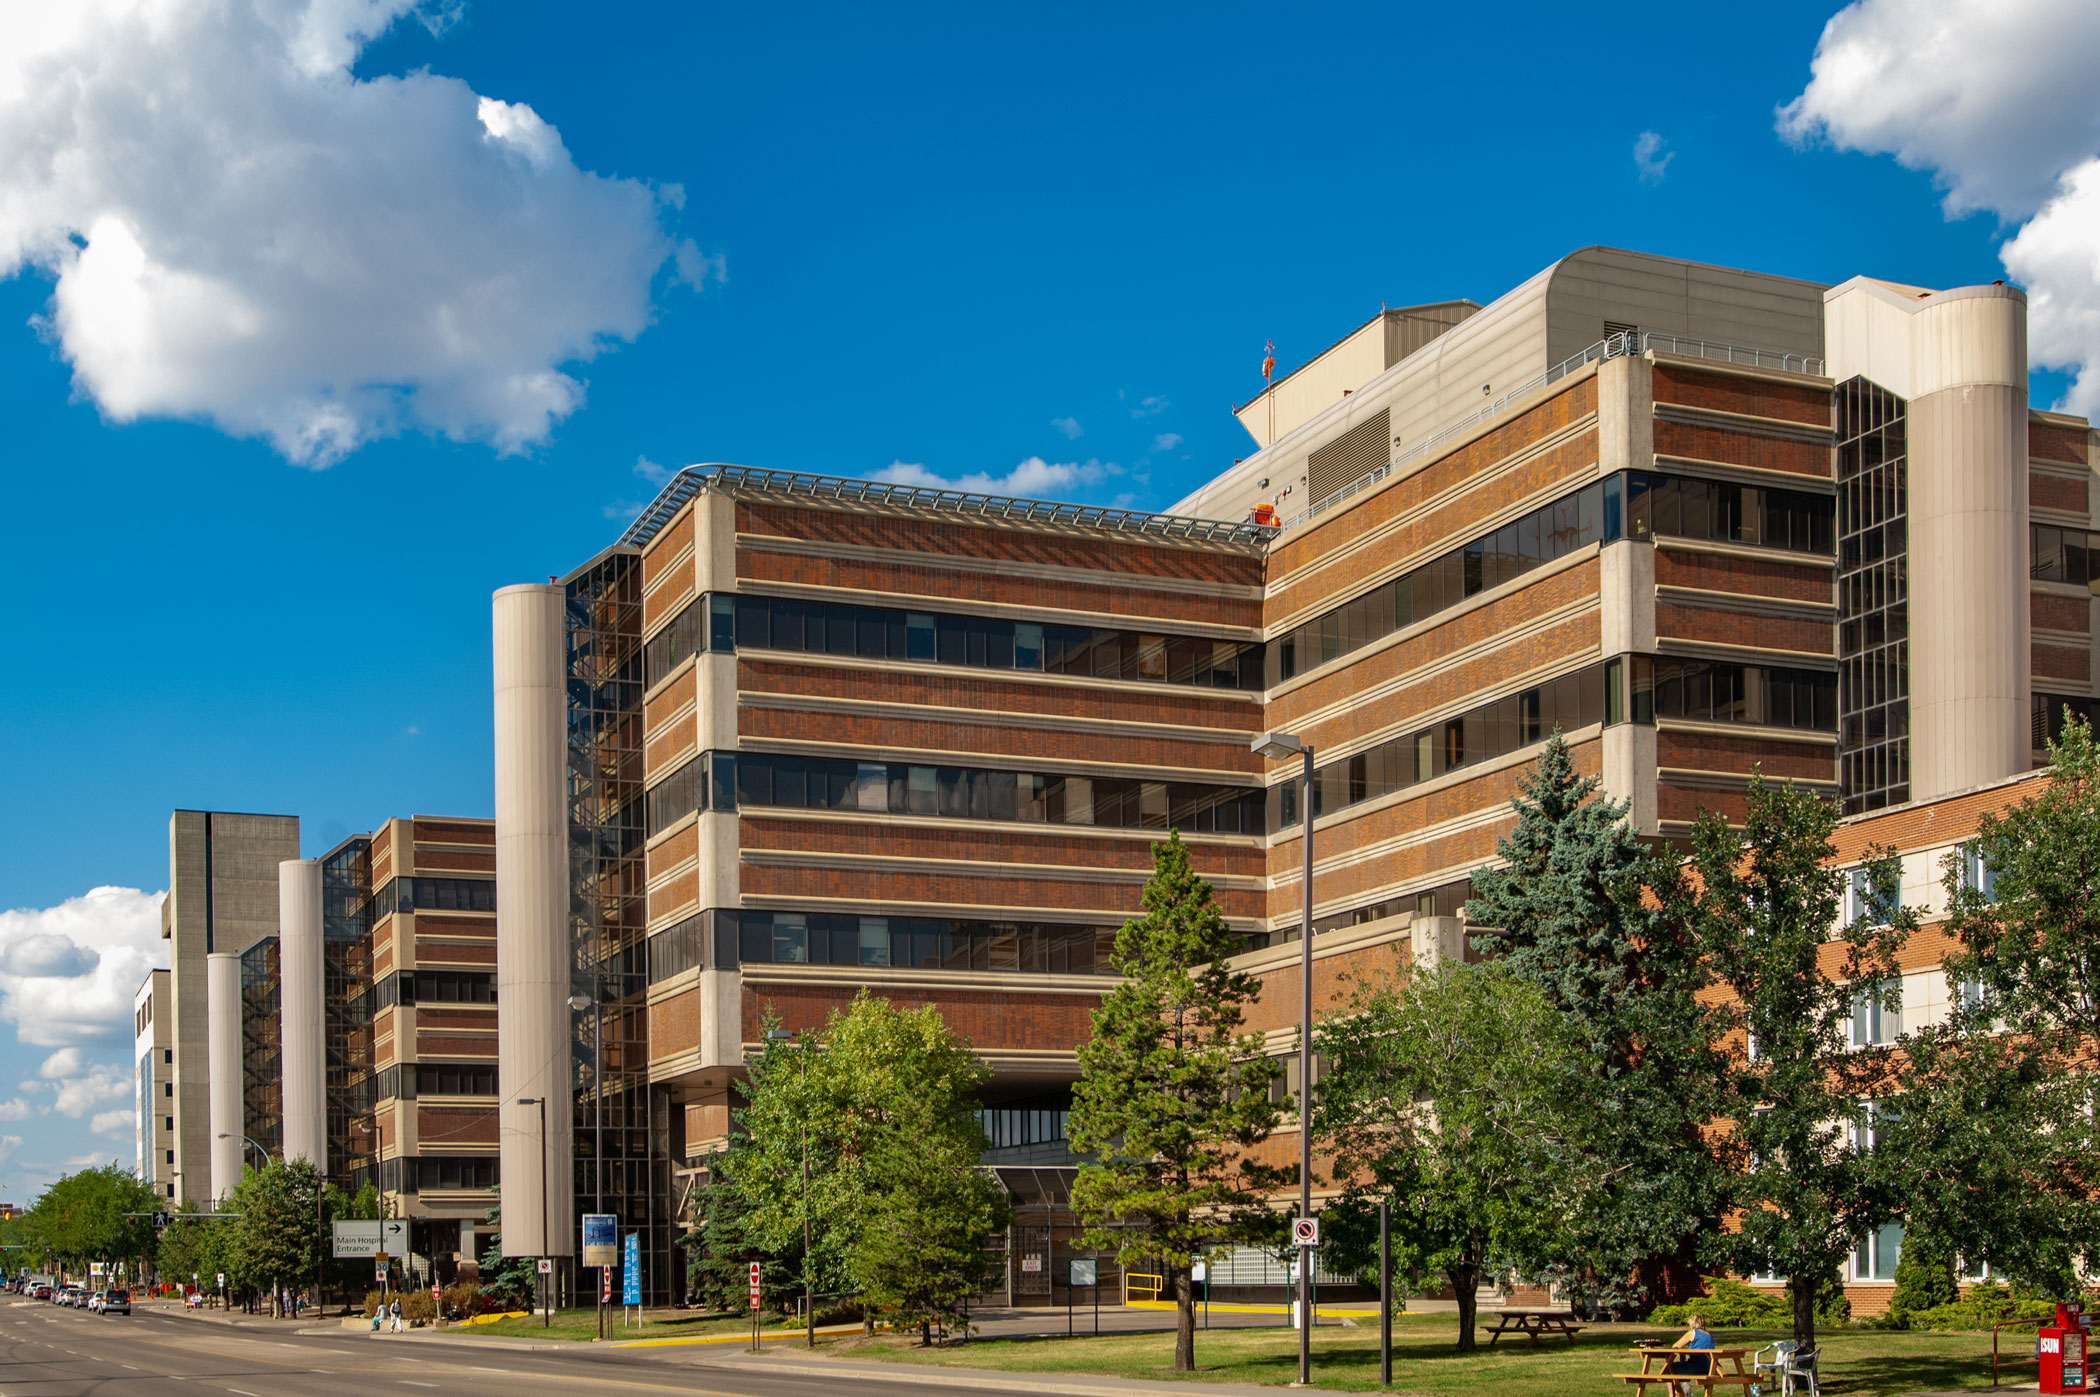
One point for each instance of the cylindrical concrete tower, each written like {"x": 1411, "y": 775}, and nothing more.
{"x": 532, "y": 923}
{"x": 1959, "y": 360}
{"x": 1971, "y": 656}
{"x": 303, "y": 1045}
{"x": 222, "y": 1008}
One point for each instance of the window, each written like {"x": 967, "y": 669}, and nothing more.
{"x": 426, "y": 1174}
{"x": 167, "y": 1088}
{"x": 968, "y": 793}
{"x": 1870, "y": 1126}
{"x": 821, "y": 938}
{"x": 1873, "y": 512}
{"x": 978, "y": 642}
{"x": 1877, "y": 1014}
{"x": 1868, "y": 902}
{"x": 1977, "y": 876}
{"x": 676, "y": 796}
{"x": 1494, "y": 729}
{"x": 167, "y": 1055}
{"x": 1878, "y": 1252}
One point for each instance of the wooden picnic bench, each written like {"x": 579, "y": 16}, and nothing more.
{"x": 1712, "y": 1378}
{"x": 1533, "y": 1324}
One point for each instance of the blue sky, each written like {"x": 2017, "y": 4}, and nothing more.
{"x": 960, "y": 238}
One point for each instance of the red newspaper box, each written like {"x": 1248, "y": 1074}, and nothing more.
{"x": 2061, "y": 1348}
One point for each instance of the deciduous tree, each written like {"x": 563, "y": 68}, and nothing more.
{"x": 1447, "y": 1092}
{"x": 2000, "y": 1160}
{"x": 1766, "y": 906}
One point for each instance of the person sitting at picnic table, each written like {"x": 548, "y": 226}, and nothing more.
{"x": 1692, "y": 1364}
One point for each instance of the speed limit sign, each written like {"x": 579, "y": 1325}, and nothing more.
{"x": 1305, "y": 1231}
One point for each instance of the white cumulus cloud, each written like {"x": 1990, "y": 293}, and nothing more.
{"x": 68, "y": 973}
{"x": 1995, "y": 98}
{"x": 1166, "y": 441}
{"x": 1034, "y": 477}
{"x": 1069, "y": 427}
{"x": 242, "y": 232}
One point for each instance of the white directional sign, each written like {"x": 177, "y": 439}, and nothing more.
{"x": 1305, "y": 1231}
{"x": 383, "y": 1236}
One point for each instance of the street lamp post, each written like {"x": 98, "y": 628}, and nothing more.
{"x": 809, "y": 1299}
{"x": 546, "y": 1315}
{"x": 1276, "y": 746}
{"x": 579, "y": 1003}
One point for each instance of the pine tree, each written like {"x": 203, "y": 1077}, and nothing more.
{"x": 1565, "y": 912}
{"x": 1172, "y": 1095}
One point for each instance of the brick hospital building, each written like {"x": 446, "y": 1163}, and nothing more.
{"x": 792, "y": 735}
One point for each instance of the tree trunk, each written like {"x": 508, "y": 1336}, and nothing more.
{"x": 1465, "y": 1288}
{"x": 1184, "y": 1321}
{"x": 1802, "y": 1290}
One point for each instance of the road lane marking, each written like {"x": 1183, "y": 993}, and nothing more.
{"x": 238, "y": 1393}
{"x": 411, "y": 1382}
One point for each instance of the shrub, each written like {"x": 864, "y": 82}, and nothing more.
{"x": 464, "y": 1300}
{"x": 417, "y": 1307}
{"x": 373, "y": 1300}
{"x": 1924, "y": 1281}
{"x": 1730, "y": 1304}
{"x": 1986, "y": 1304}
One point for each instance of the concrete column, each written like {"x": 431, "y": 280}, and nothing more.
{"x": 301, "y": 1000}
{"x": 222, "y": 991}
{"x": 532, "y": 922}
{"x": 1959, "y": 358}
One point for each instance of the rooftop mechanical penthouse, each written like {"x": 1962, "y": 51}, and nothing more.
{"x": 795, "y": 735}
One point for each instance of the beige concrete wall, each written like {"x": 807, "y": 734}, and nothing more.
{"x": 302, "y": 1054}
{"x": 532, "y": 922}
{"x": 1556, "y": 314}
{"x": 222, "y": 896}
{"x": 1960, "y": 358}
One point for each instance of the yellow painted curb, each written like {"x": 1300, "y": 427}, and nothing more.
{"x": 491, "y": 1319}
{"x": 1351, "y": 1310}
{"x": 736, "y": 1338}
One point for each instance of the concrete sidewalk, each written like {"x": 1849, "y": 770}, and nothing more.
{"x": 802, "y": 1363}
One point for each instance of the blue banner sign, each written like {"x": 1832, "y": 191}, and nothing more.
{"x": 631, "y": 1278}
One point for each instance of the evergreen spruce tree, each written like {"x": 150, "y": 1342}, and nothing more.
{"x": 1172, "y": 1095}
{"x": 1565, "y": 912}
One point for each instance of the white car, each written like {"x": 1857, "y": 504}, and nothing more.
{"x": 94, "y": 1302}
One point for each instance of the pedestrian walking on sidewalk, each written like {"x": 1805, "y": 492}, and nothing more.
{"x": 397, "y": 1317}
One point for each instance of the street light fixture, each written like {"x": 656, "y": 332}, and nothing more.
{"x": 1276, "y": 746}
{"x": 809, "y": 1299}
{"x": 577, "y": 1004}
{"x": 546, "y": 1315}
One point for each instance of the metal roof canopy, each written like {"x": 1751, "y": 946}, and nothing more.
{"x": 846, "y": 490}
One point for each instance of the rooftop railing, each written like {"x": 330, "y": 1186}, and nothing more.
{"x": 846, "y": 490}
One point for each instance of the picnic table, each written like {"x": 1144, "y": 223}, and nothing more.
{"x": 1710, "y": 1379}
{"x": 1532, "y": 1324}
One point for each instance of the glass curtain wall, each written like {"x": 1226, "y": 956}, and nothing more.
{"x": 1873, "y": 597}
{"x": 609, "y": 922}
{"x": 346, "y": 969}
{"x": 261, "y": 1075}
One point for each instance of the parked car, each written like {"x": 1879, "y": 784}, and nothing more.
{"x": 75, "y": 1297}
{"x": 94, "y": 1302}
{"x": 117, "y": 1302}
{"x": 40, "y": 1292}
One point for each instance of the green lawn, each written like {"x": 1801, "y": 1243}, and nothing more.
{"x": 1857, "y": 1363}
{"x": 583, "y": 1325}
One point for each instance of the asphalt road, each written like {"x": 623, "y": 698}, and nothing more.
{"x": 46, "y": 1351}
